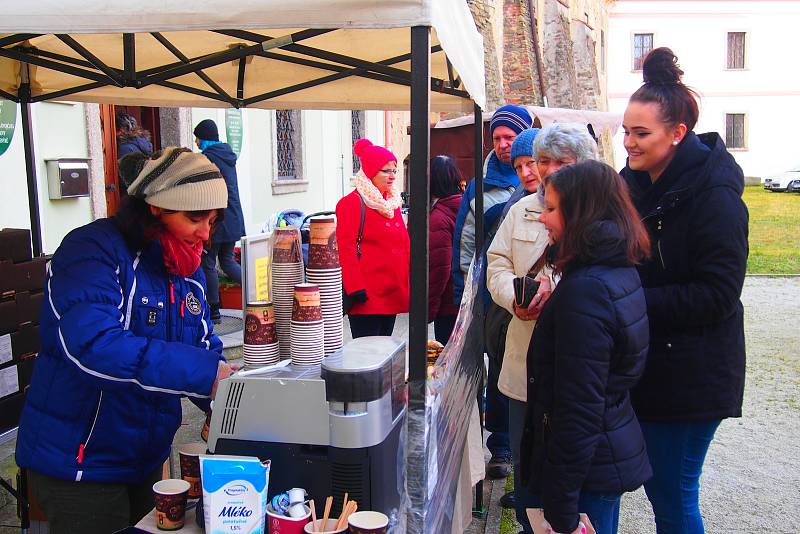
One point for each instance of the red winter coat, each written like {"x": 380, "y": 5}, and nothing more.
{"x": 383, "y": 269}
{"x": 440, "y": 257}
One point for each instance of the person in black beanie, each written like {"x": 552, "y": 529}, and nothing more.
{"x": 231, "y": 228}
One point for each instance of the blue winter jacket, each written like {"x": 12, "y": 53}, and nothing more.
{"x": 499, "y": 183}
{"x": 122, "y": 342}
{"x": 231, "y": 228}
{"x": 131, "y": 145}
{"x": 586, "y": 353}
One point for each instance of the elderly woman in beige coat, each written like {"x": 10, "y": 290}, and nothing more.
{"x": 518, "y": 249}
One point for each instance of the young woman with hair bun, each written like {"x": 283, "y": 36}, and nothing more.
{"x": 687, "y": 189}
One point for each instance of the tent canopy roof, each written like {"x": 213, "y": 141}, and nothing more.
{"x": 311, "y": 54}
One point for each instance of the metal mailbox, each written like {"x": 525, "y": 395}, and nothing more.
{"x": 68, "y": 177}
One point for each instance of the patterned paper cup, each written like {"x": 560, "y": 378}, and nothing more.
{"x": 287, "y": 245}
{"x": 306, "y": 307}
{"x": 259, "y": 324}
{"x": 368, "y": 523}
{"x": 190, "y": 466}
{"x": 323, "y": 250}
{"x": 170, "y": 499}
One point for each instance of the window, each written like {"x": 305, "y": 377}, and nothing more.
{"x": 642, "y": 45}
{"x": 357, "y": 132}
{"x": 736, "y": 50}
{"x": 288, "y": 153}
{"x": 735, "y": 135}
{"x": 602, "y": 51}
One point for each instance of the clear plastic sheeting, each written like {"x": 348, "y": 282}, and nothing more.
{"x": 450, "y": 401}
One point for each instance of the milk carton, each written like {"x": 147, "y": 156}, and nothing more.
{"x": 234, "y": 494}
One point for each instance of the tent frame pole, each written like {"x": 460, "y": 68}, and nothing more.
{"x": 418, "y": 228}
{"x": 24, "y": 92}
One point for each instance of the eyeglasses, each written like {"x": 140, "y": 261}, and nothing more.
{"x": 389, "y": 171}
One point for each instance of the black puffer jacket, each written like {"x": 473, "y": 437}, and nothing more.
{"x": 587, "y": 351}
{"x": 693, "y": 281}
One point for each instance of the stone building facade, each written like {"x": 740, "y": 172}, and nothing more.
{"x": 545, "y": 52}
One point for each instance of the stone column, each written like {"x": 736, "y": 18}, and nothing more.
{"x": 176, "y": 127}
{"x": 483, "y": 11}
{"x": 97, "y": 174}
{"x": 520, "y": 77}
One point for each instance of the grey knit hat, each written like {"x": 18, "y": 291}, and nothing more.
{"x": 180, "y": 180}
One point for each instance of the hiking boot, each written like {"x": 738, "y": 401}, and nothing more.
{"x": 498, "y": 467}
{"x": 508, "y": 500}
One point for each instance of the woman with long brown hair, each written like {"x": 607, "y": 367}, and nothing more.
{"x": 582, "y": 446}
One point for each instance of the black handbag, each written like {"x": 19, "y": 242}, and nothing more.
{"x": 495, "y": 327}
{"x": 348, "y": 300}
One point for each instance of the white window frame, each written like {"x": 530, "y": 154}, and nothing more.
{"x": 300, "y": 183}
{"x": 745, "y": 133}
{"x": 746, "y": 49}
{"x": 633, "y": 47}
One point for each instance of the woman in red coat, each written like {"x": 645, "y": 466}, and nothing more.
{"x": 375, "y": 270}
{"x": 446, "y": 198}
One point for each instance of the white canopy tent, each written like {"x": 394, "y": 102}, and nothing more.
{"x": 420, "y": 55}
{"x": 317, "y": 54}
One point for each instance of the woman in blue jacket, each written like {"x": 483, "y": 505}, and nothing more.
{"x": 125, "y": 334}
{"x": 582, "y": 446}
{"x": 688, "y": 190}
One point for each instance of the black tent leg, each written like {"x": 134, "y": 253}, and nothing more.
{"x": 30, "y": 170}
{"x": 478, "y": 179}
{"x": 479, "y": 511}
{"x": 418, "y": 229}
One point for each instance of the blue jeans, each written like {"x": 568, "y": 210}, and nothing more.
{"x": 602, "y": 509}
{"x": 677, "y": 452}
{"x": 516, "y": 423}
{"x": 223, "y": 251}
{"x": 496, "y": 415}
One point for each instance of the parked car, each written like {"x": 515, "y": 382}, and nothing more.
{"x": 787, "y": 181}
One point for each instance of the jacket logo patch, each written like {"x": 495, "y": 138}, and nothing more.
{"x": 193, "y": 304}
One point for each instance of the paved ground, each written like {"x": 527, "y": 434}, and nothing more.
{"x": 752, "y": 474}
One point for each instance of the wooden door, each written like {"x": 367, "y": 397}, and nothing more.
{"x": 148, "y": 118}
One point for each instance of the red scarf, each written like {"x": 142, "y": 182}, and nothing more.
{"x": 180, "y": 258}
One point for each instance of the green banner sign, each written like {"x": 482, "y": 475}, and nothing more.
{"x": 233, "y": 129}
{"x": 8, "y": 121}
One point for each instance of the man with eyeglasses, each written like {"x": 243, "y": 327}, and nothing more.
{"x": 499, "y": 182}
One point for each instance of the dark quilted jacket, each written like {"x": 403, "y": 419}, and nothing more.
{"x": 698, "y": 226}
{"x": 587, "y": 351}
{"x": 440, "y": 256}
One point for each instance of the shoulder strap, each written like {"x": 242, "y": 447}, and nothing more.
{"x": 360, "y": 226}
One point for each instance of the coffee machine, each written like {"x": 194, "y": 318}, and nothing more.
{"x": 332, "y": 429}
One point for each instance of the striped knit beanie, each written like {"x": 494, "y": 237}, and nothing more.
{"x": 515, "y": 117}
{"x": 178, "y": 179}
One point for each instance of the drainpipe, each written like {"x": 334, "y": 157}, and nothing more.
{"x": 537, "y": 51}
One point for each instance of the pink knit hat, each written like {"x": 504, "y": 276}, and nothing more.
{"x": 372, "y": 157}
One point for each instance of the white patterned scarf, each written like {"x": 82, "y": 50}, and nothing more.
{"x": 373, "y": 197}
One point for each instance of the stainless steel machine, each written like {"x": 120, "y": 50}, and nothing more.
{"x": 330, "y": 429}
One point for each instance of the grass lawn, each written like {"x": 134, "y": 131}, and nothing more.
{"x": 774, "y": 231}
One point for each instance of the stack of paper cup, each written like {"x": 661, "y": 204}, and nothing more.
{"x": 260, "y": 337}
{"x": 324, "y": 270}
{"x": 307, "y": 326}
{"x": 287, "y": 271}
